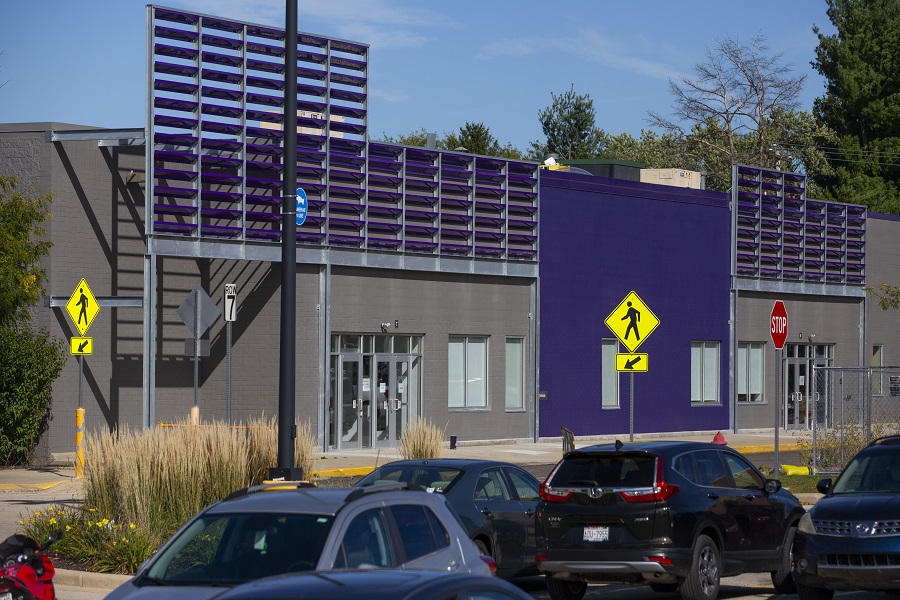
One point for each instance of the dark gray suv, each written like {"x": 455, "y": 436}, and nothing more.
{"x": 674, "y": 515}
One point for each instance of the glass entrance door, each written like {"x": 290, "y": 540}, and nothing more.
{"x": 375, "y": 390}
{"x": 398, "y": 394}
{"x": 803, "y": 397}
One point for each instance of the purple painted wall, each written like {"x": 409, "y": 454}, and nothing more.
{"x": 600, "y": 239}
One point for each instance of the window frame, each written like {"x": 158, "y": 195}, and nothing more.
{"x": 608, "y": 369}
{"x": 519, "y": 406}
{"x": 877, "y": 375}
{"x": 750, "y": 347}
{"x": 465, "y": 406}
{"x": 703, "y": 346}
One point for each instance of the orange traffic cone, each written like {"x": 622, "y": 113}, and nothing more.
{"x": 719, "y": 439}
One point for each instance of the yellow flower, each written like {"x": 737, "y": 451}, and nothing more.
{"x": 31, "y": 519}
{"x": 92, "y": 510}
{"x": 68, "y": 527}
{"x": 131, "y": 525}
{"x": 90, "y": 523}
{"x": 51, "y": 521}
{"x": 49, "y": 509}
{"x": 105, "y": 522}
{"x": 21, "y": 522}
{"x": 37, "y": 513}
{"x": 114, "y": 543}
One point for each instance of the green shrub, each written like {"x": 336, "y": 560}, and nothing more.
{"x": 141, "y": 486}
{"x": 422, "y": 439}
{"x": 30, "y": 361}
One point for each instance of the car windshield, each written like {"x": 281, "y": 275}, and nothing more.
{"x": 873, "y": 471}
{"x": 438, "y": 479}
{"x": 229, "y": 549}
{"x": 600, "y": 470}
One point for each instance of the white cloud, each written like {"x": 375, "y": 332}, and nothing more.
{"x": 389, "y": 97}
{"x": 590, "y": 45}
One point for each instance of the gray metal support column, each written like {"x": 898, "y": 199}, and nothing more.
{"x": 734, "y": 298}
{"x": 324, "y": 346}
{"x": 149, "y": 367}
{"x": 534, "y": 357}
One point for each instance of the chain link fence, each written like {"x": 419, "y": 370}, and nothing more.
{"x": 851, "y": 407}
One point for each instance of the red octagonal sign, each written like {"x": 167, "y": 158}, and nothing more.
{"x": 778, "y": 324}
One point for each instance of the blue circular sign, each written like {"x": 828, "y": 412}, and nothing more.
{"x": 302, "y": 206}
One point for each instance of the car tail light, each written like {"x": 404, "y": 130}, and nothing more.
{"x": 539, "y": 558}
{"x": 490, "y": 562}
{"x": 660, "y": 490}
{"x": 663, "y": 560}
{"x": 551, "y": 495}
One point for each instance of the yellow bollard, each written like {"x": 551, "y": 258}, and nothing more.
{"x": 79, "y": 435}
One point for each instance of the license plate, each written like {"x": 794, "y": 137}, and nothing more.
{"x": 593, "y": 534}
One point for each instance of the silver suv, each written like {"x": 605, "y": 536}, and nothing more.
{"x": 281, "y": 528}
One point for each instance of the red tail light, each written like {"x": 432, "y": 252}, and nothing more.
{"x": 660, "y": 490}
{"x": 491, "y": 563}
{"x": 551, "y": 495}
{"x": 539, "y": 558}
{"x": 663, "y": 560}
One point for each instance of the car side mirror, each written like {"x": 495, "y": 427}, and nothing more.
{"x": 824, "y": 486}
{"x": 772, "y": 485}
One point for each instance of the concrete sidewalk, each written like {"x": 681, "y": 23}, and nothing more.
{"x": 350, "y": 463}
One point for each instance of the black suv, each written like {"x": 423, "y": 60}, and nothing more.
{"x": 674, "y": 515}
{"x": 850, "y": 539}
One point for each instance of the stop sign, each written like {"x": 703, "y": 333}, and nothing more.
{"x": 778, "y": 324}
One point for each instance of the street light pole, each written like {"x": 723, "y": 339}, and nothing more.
{"x": 286, "y": 379}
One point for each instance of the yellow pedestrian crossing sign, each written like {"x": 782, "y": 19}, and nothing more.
{"x": 80, "y": 346}
{"x": 82, "y": 307}
{"x": 632, "y": 321}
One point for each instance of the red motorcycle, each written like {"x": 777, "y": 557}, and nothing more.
{"x": 26, "y": 572}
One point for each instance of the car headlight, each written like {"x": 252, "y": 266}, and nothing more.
{"x": 806, "y": 525}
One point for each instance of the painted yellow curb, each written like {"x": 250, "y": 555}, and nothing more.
{"x": 27, "y": 487}
{"x": 767, "y": 448}
{"x": 346, "y": 472}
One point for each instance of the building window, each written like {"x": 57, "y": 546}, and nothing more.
{"x": 877, "y": 363}
{"x": 467, "y": 372}
{"x": 705, "y": 372}
{"x": 515, "y": 374}
{"x": 609, "y": 389}
{"x": 750, "y": 372}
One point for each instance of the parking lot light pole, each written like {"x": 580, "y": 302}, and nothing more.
{"x": 287, "y": 431}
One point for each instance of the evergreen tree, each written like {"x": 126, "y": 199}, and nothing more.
{"x": 861, "y": 67}
{"x": 570, "y": 129}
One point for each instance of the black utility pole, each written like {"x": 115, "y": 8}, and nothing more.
{"x": 286, "y": 379}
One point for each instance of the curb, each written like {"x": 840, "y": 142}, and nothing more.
{"x": 87, "y": 579}
{"x": 28, "y": 487}
{"x": 346, "y": 472}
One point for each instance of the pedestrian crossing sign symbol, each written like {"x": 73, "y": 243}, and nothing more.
{"x": 632, "y": 321}
{"x": 82, "y": 307}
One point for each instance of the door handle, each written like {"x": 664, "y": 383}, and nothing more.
{"x": 712, "y": 496}
{"x": 750, "y": 496}
{"x": 529, "y": 512}
{"x": 398, "y": 405}
{"x": 453, "y": 566}
{"x": 486, "y": 512}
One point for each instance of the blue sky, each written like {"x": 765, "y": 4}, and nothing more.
{"x": 432, "y": 64}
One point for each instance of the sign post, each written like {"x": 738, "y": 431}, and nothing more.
{"x": 632, "y": 322}
{"x": 778, "y": 328}
{"x": 230, "y": 316}
{"x": 82, "y": 308}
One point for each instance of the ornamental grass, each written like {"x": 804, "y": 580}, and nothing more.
{"x": 142, "y": 485}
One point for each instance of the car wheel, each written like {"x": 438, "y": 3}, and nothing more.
{"x": 664, "y": 588}
{"x": 782, "y": 579}
{"x": 564, "y": 589}
{"x": 805, "y": 592}
{"x": 702, "y": 581}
